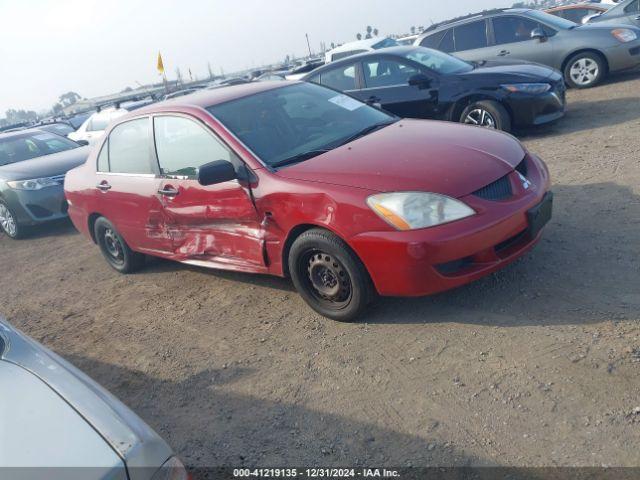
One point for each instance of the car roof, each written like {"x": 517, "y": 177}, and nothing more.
{"x": 208, "y": 98}
{"x": 393, "y": 51}
{"x": 570, "y": 6}
{"x": 366, "y": 43}
{"x": 436, "y": 27}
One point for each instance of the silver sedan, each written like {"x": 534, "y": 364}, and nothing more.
{"x": 57, "y": 423}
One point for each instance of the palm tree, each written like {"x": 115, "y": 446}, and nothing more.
{"x": 369, "y": 29}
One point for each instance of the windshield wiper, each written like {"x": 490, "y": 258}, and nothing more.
{"x": 365, "y": 131}
{"x": 301, "y": 157}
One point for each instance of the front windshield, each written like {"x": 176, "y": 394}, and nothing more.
{"x": 438, "y": 61}
{"x": 552, "y": 20}
{"x": 286, "y": 122}
{"x": 18, "y": 148}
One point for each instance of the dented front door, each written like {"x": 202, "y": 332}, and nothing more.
{"x": 215, "y": 225}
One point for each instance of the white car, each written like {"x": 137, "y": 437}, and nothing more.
{"x": 360, "y": 46}
{"x": 94, "y": 127}
{"x": 57, "y": 423}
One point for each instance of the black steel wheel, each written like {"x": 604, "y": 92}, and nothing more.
{"x": 329, "y": 276}
{"x": 114, "y": 249}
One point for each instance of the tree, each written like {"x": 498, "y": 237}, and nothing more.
{"x": 359, "y": 36}
{"x": 211, "y": 75}
{"x": 413, "y": 30}
{"x": 57, "y": 109}
{"x": 369, "y": 30}
{"x": 69, "y": 98}
{"x": 20, "y": 116}
{"x": 375, "y": 32}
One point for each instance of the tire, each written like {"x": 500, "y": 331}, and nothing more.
{"x": 115, "y": 250}
{"x": 9, "y": 223}
{"x": 584, "y": 70}
{"x": 488, "y": 114}
{"x": 329, "y": 276}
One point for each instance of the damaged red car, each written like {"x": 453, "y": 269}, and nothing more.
{"x": 294, "y": 179}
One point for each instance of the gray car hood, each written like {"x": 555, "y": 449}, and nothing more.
{"x": 132, "y": 439}
{"x": 46, "y": 166}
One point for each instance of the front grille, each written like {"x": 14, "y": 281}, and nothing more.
{"x": 58, "y": 179}
{"x": 498, "y": 190}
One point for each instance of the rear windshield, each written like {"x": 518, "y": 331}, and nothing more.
{"x": 18, "y": 148}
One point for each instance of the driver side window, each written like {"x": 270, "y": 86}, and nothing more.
{"x": 183, "y": 146}
{"x": 385, "y": 73}
{"x": 513, "y": 29}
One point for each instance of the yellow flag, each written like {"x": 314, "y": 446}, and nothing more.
{"x": 160, "y": 64}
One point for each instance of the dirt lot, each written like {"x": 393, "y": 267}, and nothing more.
{"x": 536, "y": 365}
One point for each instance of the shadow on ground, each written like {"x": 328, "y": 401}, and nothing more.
{"x": 211, "y": 426}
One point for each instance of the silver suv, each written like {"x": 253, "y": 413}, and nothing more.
{"x": 584, "y": 53}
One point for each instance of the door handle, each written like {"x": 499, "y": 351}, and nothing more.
{"x": 104, "y": 186}
{"x": 504, "y": 53}
{"x": 168, "y": 192}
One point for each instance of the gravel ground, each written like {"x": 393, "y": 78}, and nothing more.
{"x": 537, "y": 365}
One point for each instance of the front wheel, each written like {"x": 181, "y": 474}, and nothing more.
{"x": 9, "y": 224}
{"x": 584, "y": 70}
{"x": 487, "y": 114}
{"x": 115, "y": 250}
{"x": 329, "y": 276}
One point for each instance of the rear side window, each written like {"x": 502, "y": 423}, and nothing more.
{"x": 433, "y": 41}
{"x": 633, "y": 7}
{"x": 513, "y": 29}
{"x": 341, "y": 78}
{"x": 183, "y": 146}
{"x": 470, "y": 36}
{"x": 129, "y": 145}
{"x": 446, "y": 45}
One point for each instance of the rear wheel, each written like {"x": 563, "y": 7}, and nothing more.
{"x": 584, "y": 70}
{"x": 487, "y": 114}
{"x": 115, "y": 249}
{"x": 329, "y": 276}
{"x": 9, "y": 223}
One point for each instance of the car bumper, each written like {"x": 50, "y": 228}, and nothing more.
{"x": 623, "y": 56}
{"x": 432, "y": 260}
{"x": 32, "y": 207}
{"x": 528, "y": 110}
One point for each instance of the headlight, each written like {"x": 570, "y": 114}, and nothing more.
{"x": 35, "y": 184}
{"x": 532, "y": 88}
{"x": 413, "y": 210}
{"x": 173, "y": 469}
{"x": 624, "y": 35}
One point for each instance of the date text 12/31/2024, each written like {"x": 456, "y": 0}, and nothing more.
{"x": 315, "y": 473}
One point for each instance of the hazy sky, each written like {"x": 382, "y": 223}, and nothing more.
{"x": 96, "y": 47}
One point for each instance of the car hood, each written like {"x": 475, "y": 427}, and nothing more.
{"x": 127, "y": 435}
{"x": 510, "y": 71}
{"x": 416, "y": 155}
{"x": 45, "y": 166}
{"x": 46, "y": 432}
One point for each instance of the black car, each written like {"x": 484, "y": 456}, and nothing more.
{"x": 418, "y": 82}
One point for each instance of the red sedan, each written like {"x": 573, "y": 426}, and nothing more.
{"x": 294, "y": 179}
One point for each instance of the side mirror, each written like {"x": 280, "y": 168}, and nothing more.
{"x": 538, "y": 34}
{"x": 216, "y": 172}
{"x": 84, "y": 143}
{"x": 420, "y": 80}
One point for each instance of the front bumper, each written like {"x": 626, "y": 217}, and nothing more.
{"x": 528, "y": 110}
{"x": 623, "y": 56}
{"x": 432, "y": 260}
{"x": 37, "y": 206}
